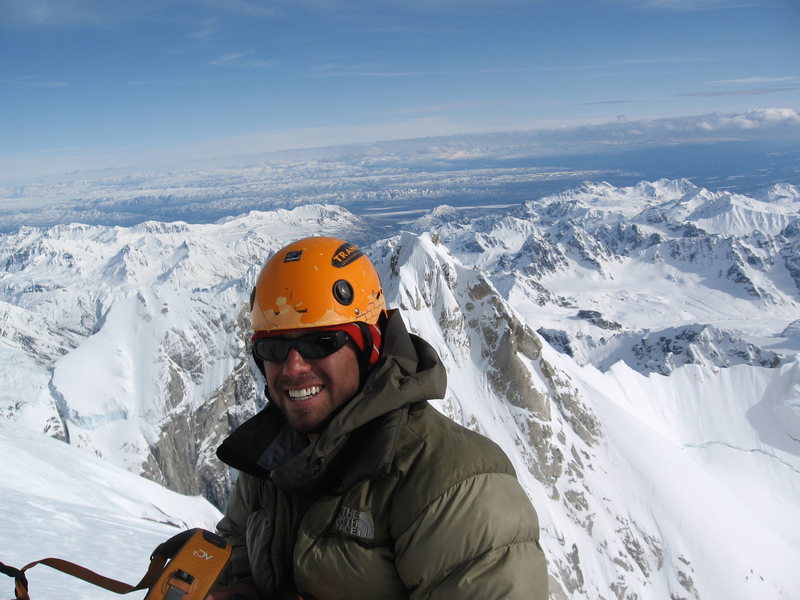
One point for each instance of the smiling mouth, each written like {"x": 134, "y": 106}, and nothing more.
{"x": 304, "y": 393}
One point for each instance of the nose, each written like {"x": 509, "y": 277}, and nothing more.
{"x": 295, "y": 364}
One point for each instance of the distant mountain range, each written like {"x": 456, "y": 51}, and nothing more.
{"x": 634, "y": 349}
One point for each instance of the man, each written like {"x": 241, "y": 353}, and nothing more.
{"x": 351, "y": 486}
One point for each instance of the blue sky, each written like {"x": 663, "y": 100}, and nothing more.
{"x": 93, "y": 83}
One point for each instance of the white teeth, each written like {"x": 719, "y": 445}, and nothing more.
{"x": 305, "y": 393}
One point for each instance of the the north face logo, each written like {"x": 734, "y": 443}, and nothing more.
{"x": 356, "y": 523}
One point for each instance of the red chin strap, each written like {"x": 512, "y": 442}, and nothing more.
{"x": 357, "y": 335}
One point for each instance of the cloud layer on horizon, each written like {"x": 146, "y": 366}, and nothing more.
{"x": 443, "y": 141}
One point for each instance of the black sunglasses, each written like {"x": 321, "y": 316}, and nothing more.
{"x": 314, "y": 345}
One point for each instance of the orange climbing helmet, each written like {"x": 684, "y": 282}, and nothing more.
{"x": 316, "y": 282}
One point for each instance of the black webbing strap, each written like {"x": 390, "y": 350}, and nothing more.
{"x": 11, "y": 571}
{"x": 20, "y": 581}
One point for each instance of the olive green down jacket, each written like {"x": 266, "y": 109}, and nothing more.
{"x": 392, "y": 501}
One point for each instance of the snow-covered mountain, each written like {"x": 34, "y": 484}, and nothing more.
{"x": 58, "y": 501}
{"x": 642, "y": 274}
{"x": 634, "y": 350}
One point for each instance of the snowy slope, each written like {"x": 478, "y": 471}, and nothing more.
{"x": 634, "y": 350}
{"x": 58, "y": 501}
{"x": 645, "y": 485}
{"x": 705, "y": 464}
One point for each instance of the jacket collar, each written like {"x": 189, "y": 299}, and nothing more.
{"x": 408, "y": 372}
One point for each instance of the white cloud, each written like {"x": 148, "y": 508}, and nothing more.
{"x": 61, "y": 13}
{"x": 756, "y": 80}
{"x": 744, "y": 92}
{"x": 107, "y": 13}
{"x": 204, "y": 29}
{"x": 249, "y": 8}
{"x": 241, "y": 59}
{"x": 317, "y": 137}
{"x": 755, "y": 119}
{"x": 31, "y": 81}
{"x": 692, "y": 5}
{"x": 764, "y": 121}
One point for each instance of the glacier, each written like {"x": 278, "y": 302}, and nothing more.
{"x": 633, "y": 349}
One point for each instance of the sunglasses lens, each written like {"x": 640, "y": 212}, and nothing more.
{"x": 313, "y": 345}
{"x": 317, "y": 346}
{"x": 271, "y": 349}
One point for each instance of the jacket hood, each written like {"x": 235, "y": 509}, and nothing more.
{"x": 409, "y": 371}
